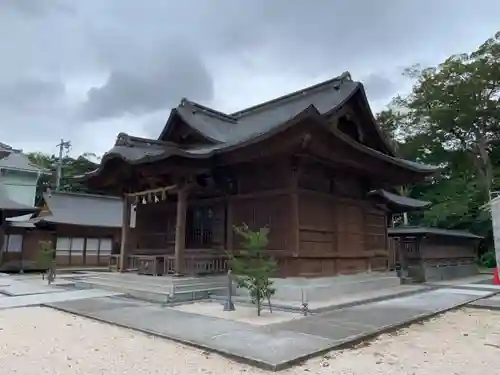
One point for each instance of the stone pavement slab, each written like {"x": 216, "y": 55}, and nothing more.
{"x": 492, "y": 303}
{"x": 237, "y": 340}
{"x": 43, "y": 298}
{"x": 278, "y": 345}
{"x": 14, "y": 287}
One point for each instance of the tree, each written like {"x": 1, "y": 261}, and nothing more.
{"x": 456, "y": 104}
{"x": 71, "y": 167}
{"x": 253, "y": 267}
{"x": 45, "y": 260}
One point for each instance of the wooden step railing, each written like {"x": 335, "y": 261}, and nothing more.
{"x": 195, "y": 263}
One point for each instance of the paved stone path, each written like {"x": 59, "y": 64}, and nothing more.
{"x": 18, "y": 293}
{"x": 14, "y": 287}
{"x": 492, "y": 303}
{"x": 280, "y": 345}
{"x": 44, "y": 298}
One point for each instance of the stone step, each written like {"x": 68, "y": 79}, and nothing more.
{"x": 172, "y": 284}
{"x": 158, "y": 280}
{"x": 142, "y": 293}
{"x": 155, "y": 293}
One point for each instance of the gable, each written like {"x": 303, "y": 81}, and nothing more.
{"x": 182, "y": 134}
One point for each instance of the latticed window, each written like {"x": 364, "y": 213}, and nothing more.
{"x": 200, "y": 227}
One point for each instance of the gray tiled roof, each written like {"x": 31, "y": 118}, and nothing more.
{"x": 225, "y": 132}
{"x": 395, "y": 232}
{"x": 83, "y": 209}
{"x": 11, "y": 208}
{"x": 399, "y": 203}
{"x": 15, "y": 159}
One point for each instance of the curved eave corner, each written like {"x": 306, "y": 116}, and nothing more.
{"x": 398, "y": 203}
{"x": 419, "y": 167}
{"x": 386, "y": 142}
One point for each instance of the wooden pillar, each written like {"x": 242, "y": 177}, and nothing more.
{"x": 180, "y": 230}
{"x": 229, "y": 225}
{"x": 294, "y": 209}
{"x": 125, "y": 235}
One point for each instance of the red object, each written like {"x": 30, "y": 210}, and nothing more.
{"x": 496, "y": 277}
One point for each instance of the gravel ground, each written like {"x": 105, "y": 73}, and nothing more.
{"x": 36, "y": 340}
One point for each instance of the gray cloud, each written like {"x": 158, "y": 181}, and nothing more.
{"x": 115, "y": 65}
{"x": 378, "y": 86}
{"x": 35, "y": 8}
{"x": 151, "y": 82}
{"x": 30, "y": 94}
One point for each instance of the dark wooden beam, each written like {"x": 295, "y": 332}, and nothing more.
{"x": 125, "y": 234}
{"x": 180, "y": 229}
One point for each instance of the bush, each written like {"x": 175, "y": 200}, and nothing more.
{"x": 253, "y": 267}
{"x": 488, "y": 259}
{"x": 45, "y": 256}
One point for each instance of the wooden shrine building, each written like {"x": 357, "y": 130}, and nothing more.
{"x": 312, "y": 165}
{"x": 435, "y": 254}
{"x": 83, "y": 229}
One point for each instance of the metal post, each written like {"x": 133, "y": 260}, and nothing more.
{"x": 305, "y": 304}
{"x": 63, "y": 145}
{"x": 229, "y": 305}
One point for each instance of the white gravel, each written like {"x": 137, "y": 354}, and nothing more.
{"x": 40, "y": 341}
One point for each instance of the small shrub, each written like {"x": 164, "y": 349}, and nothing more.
{"x": 253, "y": 267}
{"x": 488, "y": 259}
{"x": 45, "y": 257}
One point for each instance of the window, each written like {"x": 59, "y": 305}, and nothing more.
{"x": 105, "y": 246}
{"x": 13, "y": 243}
{"x": 77, "y": 245}
{"x": 63, "y": 245}
{"x": 92, "y": 247}
{"x": 200, "y": 222}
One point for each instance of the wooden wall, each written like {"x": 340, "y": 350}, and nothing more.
{"x": 435, "y": 250}
{"x": 84, "y": 232}
{"x": 338, "y": 230}
{"x": 33, "y": 236}
{"x": 338, "y": 236}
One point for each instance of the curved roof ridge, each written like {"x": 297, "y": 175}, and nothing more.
{"x": 207, "y": 110}
{"x": 346, "y": 76}
{"x": 124, "y": 139}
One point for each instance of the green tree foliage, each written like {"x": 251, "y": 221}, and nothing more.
{"x": 253, "y": 267}
{"x": 71, "y": 167}
{"x": 451, "y": 118}
{"x": 45, "y": 256}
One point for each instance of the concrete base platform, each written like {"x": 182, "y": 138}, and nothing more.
{"x": 162, "y": 289}
{"x": 338, "y": 301}
{"x": 274, "y": 346}
{"x": 324, "y": 288}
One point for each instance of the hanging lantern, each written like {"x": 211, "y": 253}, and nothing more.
{"x": 143, "y": 200}
{"x": 156, "y": 199}
{"x": 163, "y": 195}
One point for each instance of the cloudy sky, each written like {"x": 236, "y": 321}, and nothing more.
{"x": 85, "y": 70}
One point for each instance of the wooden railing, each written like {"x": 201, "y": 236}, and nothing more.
{"x": 195, "y": 263}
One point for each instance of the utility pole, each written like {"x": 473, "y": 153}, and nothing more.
{"x": 63, "y": 145}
